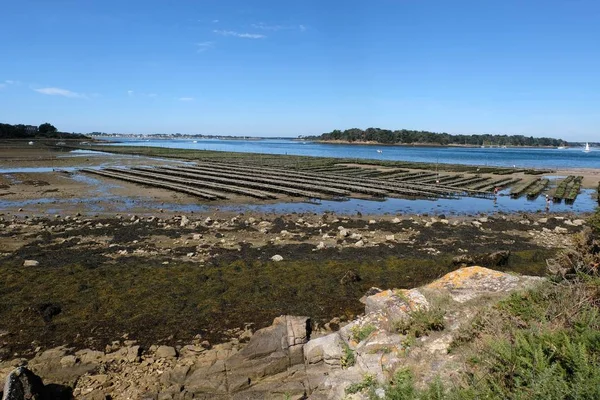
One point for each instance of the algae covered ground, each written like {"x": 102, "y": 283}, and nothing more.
{"x": 155, "y": 284}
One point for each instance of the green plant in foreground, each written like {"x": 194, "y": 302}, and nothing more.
{"x": 360, "y": 333}
{"x": 368, "y": 382}
{"x": 421, "y": 322}
{"x": 348, "y": 358}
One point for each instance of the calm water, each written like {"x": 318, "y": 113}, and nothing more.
{"x": 520, "y": 157}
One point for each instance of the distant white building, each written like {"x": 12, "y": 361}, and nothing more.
{"x": 31, "y": 129}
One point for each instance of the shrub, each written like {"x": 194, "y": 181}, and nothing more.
{"x": 360, "y": 333}
{"x": 421, "y": 322}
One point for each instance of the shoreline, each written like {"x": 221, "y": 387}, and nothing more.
{"x": 422, "y": 144}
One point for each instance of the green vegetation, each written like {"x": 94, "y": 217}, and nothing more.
{"x": 348, "y": 358}
{"x": 360, "y": 333}
{"x": 405, "y": 136}
{"x": 45, "y": 130}
{"x": 543, "y": 343}
{"x": 368, "y": 382}
{"x": 421, "y": 322}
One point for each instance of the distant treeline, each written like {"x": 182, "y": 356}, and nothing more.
{"x": 45, "y": 130}
{"x": 404, "y": 136}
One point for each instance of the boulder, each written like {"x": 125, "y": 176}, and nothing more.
{"x": 277, "y": 258}
{"x": 166, "y": 352}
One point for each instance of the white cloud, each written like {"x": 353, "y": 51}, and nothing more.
{"x": 152, "y": 95}
{"x": 186, "y": 99}
{"x": 52, "y": 91}
{"x": 240, "y": 35}
{"x": 10, "y": 82}
{"x": 130, "y": 93}
{"x": 203, "y": 46}
{"x": 276, "y": 28}
{"x": 215, "y": 21}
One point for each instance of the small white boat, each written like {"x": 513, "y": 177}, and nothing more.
{"x": 587, "y": 148}
{"x": 195, "y": 141}
{"x": 560, "y": 148}
{"x": 380, "y": 151}
{"x": 31, "y": 143}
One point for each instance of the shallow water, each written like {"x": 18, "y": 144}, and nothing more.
{"x": 519, "y": 157}
{"x": 467, "y": 205}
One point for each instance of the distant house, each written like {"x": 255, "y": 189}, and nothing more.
{"x": 31, "y": 129}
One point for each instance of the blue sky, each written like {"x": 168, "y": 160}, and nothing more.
{"x": 288, "y": 68}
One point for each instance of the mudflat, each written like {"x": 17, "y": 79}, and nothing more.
{"x": 83, "y": 273}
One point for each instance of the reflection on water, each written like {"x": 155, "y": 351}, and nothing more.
{"x": 463, "y": 206}
{"x": 547, "y": 158}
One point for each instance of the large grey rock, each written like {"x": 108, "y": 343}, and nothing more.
{"x": 22, "y": 384}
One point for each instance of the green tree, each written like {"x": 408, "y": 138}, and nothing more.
{"x": 47, "y": 128}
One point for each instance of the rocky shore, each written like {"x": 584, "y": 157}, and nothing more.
{"x": 287, "y": 360}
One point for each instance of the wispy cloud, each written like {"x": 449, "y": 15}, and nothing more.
{"x": 130, "y": 93}
{"x": 52, "y": 91}
{"x": 203, "y": 46}
{"x": 11, "y": 82}
{"x": 275, "y": 28}
{"x": 186, "y": 99}
{"x": 240, "y": 35}
{"x": 215, "y": 21}
{"x": 153, "y": 95}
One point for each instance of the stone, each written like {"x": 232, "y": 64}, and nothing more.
{"x": 320, "y": 246}
{"x": 390, "y": 238}
{"x": 31, "y": 263}
{"x": 327, "y": 349}
{"x": 277, "y": 258}
{"x": 184, "y": 221}
{"x": 560, "y": 229}
{"x": 396, "y": 220}
{"x": 197, "y": 236}
{"x": 165, "y": 352}
{"x": 360, "y": 243}
{"x": 22, "y": 384}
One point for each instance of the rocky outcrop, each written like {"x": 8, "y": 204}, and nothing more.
{"x": 287, "y": 359}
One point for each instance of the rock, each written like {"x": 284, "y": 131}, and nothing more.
{"x": 165, "y": 352}
{"x": 277, "y": 258}
{"x": 477, "y": 224}
{"x": 343, "y": 233}
{"x": 356, "y": 236}
{"x": 463, "y": 259}
{"x": 372, "y": 221}
{"x": 396, "y": 220}
{"x": 497, "y": 258}
{"x": 560, "y": 229}
{"x": 390, "y": 238}
{"x": 184, "y": 221}
{"x": 360, "y": 243}
{"x": 31, "y": 263}
{"x": 22, "y": 384}
{"x": 320, "y": 246}
{"x": 578, "y": 222}
{"x": 197, "y": 236}
{"x": 327, "y": 349}
{"x": 542, "y": 220}
{"x": 469, "y": 283}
